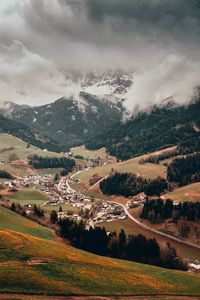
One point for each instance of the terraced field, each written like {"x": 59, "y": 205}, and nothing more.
{"x": 33, "y": 264}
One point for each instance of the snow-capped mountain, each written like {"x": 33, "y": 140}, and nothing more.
{"x": 72, "y": 120}
{"x": 110, "y": 82}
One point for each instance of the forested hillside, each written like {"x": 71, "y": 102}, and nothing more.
{"x": 27, "y": 134}
{"x": 149, "y": 131}
{"x": 71, "y": 122}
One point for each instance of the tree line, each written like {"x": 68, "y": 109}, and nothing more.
{"x": 147, "y": 132}
{"x": 129, "y": 184}
{"x": 98, "y": 241}
{"x": 158, "y": 210}
{"x": 184, "y": 170}
{"x": 155, "y": 159}
{"x": 188, "y": 146}
{"x": 5, "y": 174}
{"x": 181, "y": 171}
{"x": 134, "y": 248}
{"x": 41, "y": 162}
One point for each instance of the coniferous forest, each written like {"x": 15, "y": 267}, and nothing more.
{"x": 157, "y": 210}
{"x": 133, "y": 247}
{"x": 184, "y": 170}
{"x": 5, "y": 174}
{"x": 40, "y": 162}
{"x": 128, "y": 184}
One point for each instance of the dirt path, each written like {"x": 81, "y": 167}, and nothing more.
{"x": 97, "y": 183}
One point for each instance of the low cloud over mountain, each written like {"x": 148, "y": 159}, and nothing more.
{"x": 46, "y": 47}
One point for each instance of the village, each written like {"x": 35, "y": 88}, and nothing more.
{"x": 90, "y": 211}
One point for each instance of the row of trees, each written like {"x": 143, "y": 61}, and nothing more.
{"x": 97, "y": 240}
{"x": 5, "y": 174}
{"x": 188, "y": 146}
{"x": 184, "y": 170}
{"x": 128, "y": 184}
{"x": 135, "y": 248}
{"x": 181, "y": 171}
{"x": 41, "y": 162}
{"x": 155, "y": 159}
{"x": 158, "y": 210}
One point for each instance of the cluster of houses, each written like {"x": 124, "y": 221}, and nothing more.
{"x": 136, "y": 201}
{"x": 108, "y": 212}
{"x": 60, "y": 193}
{"x": 34, "y": 180}
{"x": 64, "y": 214}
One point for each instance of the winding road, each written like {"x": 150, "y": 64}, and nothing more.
{"x": 154, "y": 231}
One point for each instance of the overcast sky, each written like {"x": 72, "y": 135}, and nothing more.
{"x": 42, "y": 40}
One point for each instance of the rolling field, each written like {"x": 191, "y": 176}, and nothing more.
{"x": 33, "y": 196}
{"x": 17, "y": 169}
{"x": 20, "y": 168}
{"x": 28, "y": 196}
{"x": 35, "y": 265}
{"x": 147, "y": 170}
{"x": 89, "y": 154}
{"x": 65, "y": 207}
{"x": 11, "y": 221}
{"x": 189, "y": 192}
{"x": 21, "y": 150}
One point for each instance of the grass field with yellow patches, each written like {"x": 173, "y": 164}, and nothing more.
{"x": 12, "y": 221}
{"x": 51, "y": 267}
{"x": 189, "y": 192}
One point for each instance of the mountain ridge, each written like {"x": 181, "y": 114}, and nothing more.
{"x": 68, "y": 121}
{"x": 149, "y": 131}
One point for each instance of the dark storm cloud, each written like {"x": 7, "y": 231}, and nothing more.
{"x": 41, "y": 41}
{"x": 155, "y": 19}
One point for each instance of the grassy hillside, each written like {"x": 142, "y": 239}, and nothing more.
{"x": 26, "y": 133}
{"x": 33, "y": 264}
{"x": 27, "y": 196}
{"x": 190, "y": 192}
{"x": 11, "y": 221}
{"x": 147, "y": 170}
{"x": 20, "y": 148}
{"x": 89, "y": 154}
{"x": 32, "y": 196}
